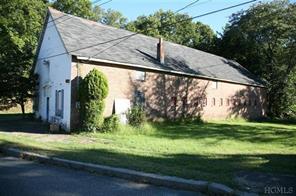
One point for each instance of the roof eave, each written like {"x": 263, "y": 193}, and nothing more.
{"x": 164, "y": 71}
{"x": 40, "y": 41}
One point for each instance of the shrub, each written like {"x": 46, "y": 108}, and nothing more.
{"x": 92, "y": 115}
{"x": 136, "y": 116}
{"x": 93, "y": 90}
{"x": 111, "y": 123}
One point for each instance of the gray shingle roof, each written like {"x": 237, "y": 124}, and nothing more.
{"x": 141, "y": 50}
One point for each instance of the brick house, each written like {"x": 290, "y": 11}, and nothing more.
{"x": 168, "y": 79}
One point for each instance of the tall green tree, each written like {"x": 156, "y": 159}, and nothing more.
{"x": 81, "y": 8}
{"x": 114, "y": 18}
{"x": 84, "y": 9}
{"x": 109, "y": 17}
{"x": 178, "y": 28}
{"x": 20, "y": 25}
{"x": 263, "y": 38}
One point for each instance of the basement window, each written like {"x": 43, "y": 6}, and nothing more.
{"x": 227, "y": 102}
{"x": 221, "y": 101}
{"x": 213, "y": 102}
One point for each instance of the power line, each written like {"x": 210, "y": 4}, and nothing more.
{"x": 223, "y": 9}
{"x": 57, "y": 18}
{"x": 97, "y": 1}
{"x": 131, "y": 35}
{"x": 190, "y": 4}
{"x": 200, "y": 3}
{"x": 97, "y": 44}
{"x": 105, "y": 3}
{"x": 113, "y": 45}
{"x": 199, "y": 16}
{"x": 55, "y": 22}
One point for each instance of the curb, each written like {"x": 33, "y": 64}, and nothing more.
{"x": 132, "y": 175}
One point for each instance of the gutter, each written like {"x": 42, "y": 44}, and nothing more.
{"x": 164, "y": 71}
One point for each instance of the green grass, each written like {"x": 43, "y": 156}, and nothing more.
{"x": 212, "y": 151}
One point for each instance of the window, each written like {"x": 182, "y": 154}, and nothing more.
{"x": 250, "y": 102}
{"x": 232, "y": 102}
{"x": 213, "y": 102}
{"x": 140, "y": 75}
{"x": 198, "y": 102}
{"x": 59, "y": 103}
{"x": 214, "y": 84}
{"x": 174, "y": 100}
{"x": 221, "y": 101}
{"x": 239, "y": 102}
{"x": 184, "y": 101}
{"x": 227, "y": 102}
{"x": 236, "y": 102}
{"x": 46, "y": 64}
{"x": 139, "y": 98}
{"x": 204, "y": 103}
{"x": 255, "y": 102}
{"x": 46, "y": 91}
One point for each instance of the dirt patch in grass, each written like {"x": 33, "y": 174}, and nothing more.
{"x": 53, "y": 138}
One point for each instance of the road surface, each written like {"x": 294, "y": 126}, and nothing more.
{"x": 21, "y": 177}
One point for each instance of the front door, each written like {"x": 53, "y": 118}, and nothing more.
{"x": 47, "y": 109}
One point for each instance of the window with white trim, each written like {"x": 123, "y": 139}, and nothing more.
{"x": 59, "y": 98}
{"x": 139, "y": 98}
{"x": 140, "y": 75}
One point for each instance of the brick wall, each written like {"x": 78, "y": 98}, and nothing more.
{"x": 172, "y": 96}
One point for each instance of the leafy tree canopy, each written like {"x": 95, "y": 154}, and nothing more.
{"x": 178, "y": 28}
{"x": 109, "y": 17}
{"x": 20, "y": 25}
{"x": 263, "y": 38}
{"x": 81, "y": 8}
{"x": 84, "y": 9}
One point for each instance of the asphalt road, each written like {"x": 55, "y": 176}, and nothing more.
{"x": 20, "y": 177}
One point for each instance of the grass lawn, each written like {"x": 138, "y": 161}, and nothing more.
{"x": 212, "y": 151}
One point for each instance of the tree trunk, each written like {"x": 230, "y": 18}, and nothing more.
{"x": 23, "y": 108}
